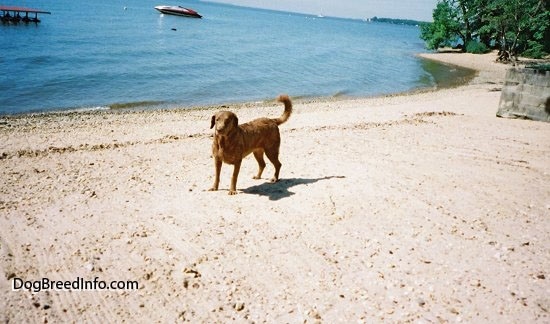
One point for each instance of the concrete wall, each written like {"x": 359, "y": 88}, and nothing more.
{"x": 526, "y": 94}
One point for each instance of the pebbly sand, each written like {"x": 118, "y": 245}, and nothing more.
{"x": 408, "y": 208}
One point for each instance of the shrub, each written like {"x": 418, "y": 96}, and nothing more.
{"x": 476, "y": 47}
{"x": 535, "y": 50}
{"x": 539, "y": 67}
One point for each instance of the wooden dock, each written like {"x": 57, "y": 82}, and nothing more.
{"x": 16, "y": 15}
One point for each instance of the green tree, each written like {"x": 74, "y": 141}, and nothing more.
{"x": 520, "y": 26}
{"x": 453, "y": 20}
{"x": 513, "y": 26}
{"x": 465, "y": 11}
{"x": 443, "y": 31}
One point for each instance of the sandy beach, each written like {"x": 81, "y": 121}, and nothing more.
{"x": 422, "y": 207}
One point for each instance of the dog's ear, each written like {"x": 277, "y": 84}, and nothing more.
{"x": 235, "y": 121}
{"x": 213, "y": 121}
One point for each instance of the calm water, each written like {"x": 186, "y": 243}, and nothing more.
{"x": 93, "y": 54}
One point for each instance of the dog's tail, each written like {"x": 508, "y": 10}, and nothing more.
{"x": 288, "y": 109}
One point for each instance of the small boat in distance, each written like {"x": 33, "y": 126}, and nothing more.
{"x": 178, "y": 11}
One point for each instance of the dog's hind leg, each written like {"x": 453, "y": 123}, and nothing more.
{"x": 273, "y": 156}
{"x": 259, "y": 155}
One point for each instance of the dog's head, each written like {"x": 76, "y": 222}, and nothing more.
{"x": 225, "y": 121}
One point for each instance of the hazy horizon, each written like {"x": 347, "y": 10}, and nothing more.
{"x": 398, "y": 9}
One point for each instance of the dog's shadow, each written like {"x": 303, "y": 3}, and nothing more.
{"x": 280, "y": 189}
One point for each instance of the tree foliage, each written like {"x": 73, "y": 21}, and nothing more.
{"x": 512, "y": 26}
{"x": 444, "y": 30}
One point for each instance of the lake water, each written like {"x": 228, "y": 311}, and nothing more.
{"x": 95, "y": 54}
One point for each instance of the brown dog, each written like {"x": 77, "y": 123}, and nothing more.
{"x": 233, "y": 142}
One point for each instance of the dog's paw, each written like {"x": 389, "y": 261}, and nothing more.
{"x": 213, "y": 189}
{"x": 232, "y": 192}
{"x": 273, "y": 180}
{"x": 256, "y": 177}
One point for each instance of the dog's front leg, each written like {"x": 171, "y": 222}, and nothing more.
{"x": 218, "y": 166}
{"x": 236, "y": 168}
